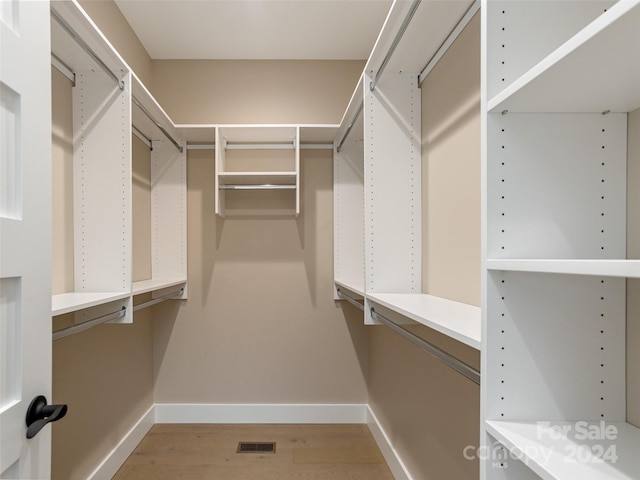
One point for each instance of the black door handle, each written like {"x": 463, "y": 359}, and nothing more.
{"x": 39, "y": 414}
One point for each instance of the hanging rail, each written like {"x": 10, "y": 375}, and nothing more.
{"x": 81, "y": 327}
{"x": 346, "y": 134}
{"x": 63, "y": 68}
{"x": 473, "y": 9}
{"x": 350, "y": 299}
{"x": 266, "y": 186}
{"x": 142, "y": 136}
{"x": 448, "y": 359}
{"x": 157, "y": 124}
{"x": 74, "y": 35}
{"x": 260, "y": 146}
{"x": 155, "y": 301}
{"x": 396, "y": 41}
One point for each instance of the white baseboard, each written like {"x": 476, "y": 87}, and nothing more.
{"x": 116, "y": 458}
{"x": 250, "y": 413}
{"x": 397, "y": 467}
{"x": 260, "y": 413}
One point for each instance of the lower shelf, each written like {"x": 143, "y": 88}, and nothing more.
{"x": 74, "y": 301}
{"x": 572, "y": 450}
{"x": 454, "y": 319}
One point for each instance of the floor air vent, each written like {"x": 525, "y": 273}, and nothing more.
{"x": 256, "y": 447}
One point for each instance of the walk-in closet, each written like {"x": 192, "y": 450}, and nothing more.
{"x": 347, "y": 239}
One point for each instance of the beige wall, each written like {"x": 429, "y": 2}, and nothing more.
{"x": 430, "y": 412}
{"x": 451, "y": 172}
{"x": 230, "y": 91}
{"x": 112, "y": 23}
{"x": 260, "y": 325}
{"x": 633, "y": 285}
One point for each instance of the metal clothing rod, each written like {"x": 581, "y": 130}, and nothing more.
{"x": 303, "y": 146}
{"x": 86, "y": 47}
{"x": 350, "y": 299}
{"x": 156, "y": 123}
{"x": 260, "y": 146}
{"x": 346, "y": 134}
{"x": 473, "y": 9}
{"x": 81, "y": 327}
{"x": 257, "y": 187}
{"x": 142, "y": 136}
{"x": 448, "y": 359}
{"x": 63, "y": 68}
{"x": 396, "y": 41}
{"x": 200, "y": 146}
{"x": 140, "y": 306}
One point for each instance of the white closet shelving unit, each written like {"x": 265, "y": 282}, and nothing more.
{"x": 258, "y": 158}
{"x": 377, "y": 175}
{"x": 107, "y": 99}
{"x": 555, "y": 265}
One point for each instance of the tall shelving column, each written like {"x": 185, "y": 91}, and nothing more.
{"x": 101, "y": 167}
{"x": 555, "y": 261}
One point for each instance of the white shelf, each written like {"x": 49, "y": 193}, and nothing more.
{"x": 257, "y": 178}
{"x": 608, "y": 268}
{"x": 74, "y": 301}
{"x": 570, "y": 456}
{"x": 596, "y": 70}
{"x": 146, "y": 286}
{"x": 353, "y": 286}
{"x": 454, "y": 319}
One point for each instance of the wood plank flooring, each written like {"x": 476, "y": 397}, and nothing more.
{"x": 305, "y": 452}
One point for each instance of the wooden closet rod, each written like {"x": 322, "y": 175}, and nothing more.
{"x": 78, "y": 39}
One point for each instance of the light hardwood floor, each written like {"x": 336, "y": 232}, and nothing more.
{"x": 305, "y": 452}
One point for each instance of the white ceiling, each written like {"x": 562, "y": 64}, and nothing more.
{"x": 256, "y": 29}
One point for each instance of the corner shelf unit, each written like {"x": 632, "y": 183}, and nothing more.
{"x": 108, "y": 99}
{"x": 377, "y": 174}
{"x": 555, "y": 265}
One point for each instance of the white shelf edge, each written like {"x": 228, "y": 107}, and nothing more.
{"x": 73, "y": 301}
{"x": 556, "y": 457}
{"x": 352, "y": 286}
{"x": 146, "y": 286}
{"x": 457, "y": 320}
{"x": 499, "y": 102}
{"x": 608, "y": 268}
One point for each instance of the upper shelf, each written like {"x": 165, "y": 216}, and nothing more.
{"x": 597, "y": 70}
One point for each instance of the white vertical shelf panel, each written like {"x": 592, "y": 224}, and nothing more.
{"x": 221, "y": 148}
{"x": 102, "y": 184}
{"x": 297, "y": 168}
{"x": 169, "y": 213}
{"x": 557, "y": 186}
{"x": 392, "y": 185}
{"x": 554, "y": 347}
{"x": 515, "y": 40}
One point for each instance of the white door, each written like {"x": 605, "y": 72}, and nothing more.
{"x": 25, "y": 233}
